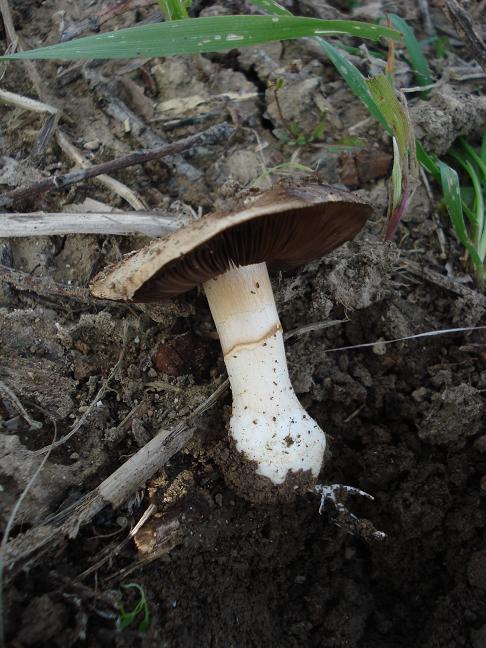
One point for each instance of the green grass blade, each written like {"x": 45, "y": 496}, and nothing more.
{"x": 479, "y": 232}
{"x": 358, "y": 52}
{"x": 452, "y": 196}
{"x": 355, "y": 80}
{"x": 429, "y": 162}
{"x": 349, "y": 72}
{"x": 469, "y": 212}
{"x": 417, "y": 59}
{"x": 476, "y": 159}
{"x": 272, "y": 7}
{"x": 482, "y": 152}
{"x": 385, "y": 97}
{"x": 174, "y": 9}
{"x": 197, "y": 35}
{"x": 405, "y": 168}
{"x": 396, "y": 176}
{"x": 469, "y": 168}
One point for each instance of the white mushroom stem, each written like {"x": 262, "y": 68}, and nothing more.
{"x": 268, "y": 424}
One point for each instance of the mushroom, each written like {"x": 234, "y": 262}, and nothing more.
{"x": 276, "y": 448}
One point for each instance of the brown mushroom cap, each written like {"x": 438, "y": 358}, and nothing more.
{"x": 284, "y": 227}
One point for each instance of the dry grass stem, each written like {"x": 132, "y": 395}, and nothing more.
{"x": 26, "y": 103}
{"x": 117, "y": 187}
{"x": 110, "y": 552}
{"x": 151, "y": 224}
{"x": 34, "y": 425}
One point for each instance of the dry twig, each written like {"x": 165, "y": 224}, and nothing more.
{"x": 61, "y": 137}
{"x": 118, "y": 110}
{"x": 215, "y": 133}
{"x": 464, "y": 26}
{"x": 45, "y": 287}
{"x": 110, "y": 183}
{"x": 34, "y": 425}
{"x": 443, "y": 282}
{"x": 112, "y": 491}
{"x": 113, "y": 551}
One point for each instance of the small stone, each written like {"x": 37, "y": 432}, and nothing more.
{"x": 92, "y": 145}
{"x": 379, "y": 348}
{"x": 419, "y": 394}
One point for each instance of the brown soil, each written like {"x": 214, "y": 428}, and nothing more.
{"x": 405, "y": 421}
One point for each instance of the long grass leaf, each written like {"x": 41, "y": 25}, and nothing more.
{"x": 482, "y": 152}
{"x": 196, "y": 35}
{"x": 173, "y": 9}
{"x": 349, "y": 72}
{"x": 475, "y": 158}
{"x": 405, "y": 169}
{"x": 476, "y": 216}
{"x": 396, "y": 177}
{"x": 428, "y": 161}
{"x": 385, "y": 96}
{"x": 478, "y": 204}
{"x": 355, "y": 81}
{"x": 452, "y": 196}
{"x": 417, "y": 59}
{"x": 272, "y": 7}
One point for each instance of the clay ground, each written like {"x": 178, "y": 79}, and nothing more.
{"x": 405, "y": 421}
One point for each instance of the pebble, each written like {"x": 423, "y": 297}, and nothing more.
{"x": 419, "y": 394}
{"x": 92, "y": 145}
